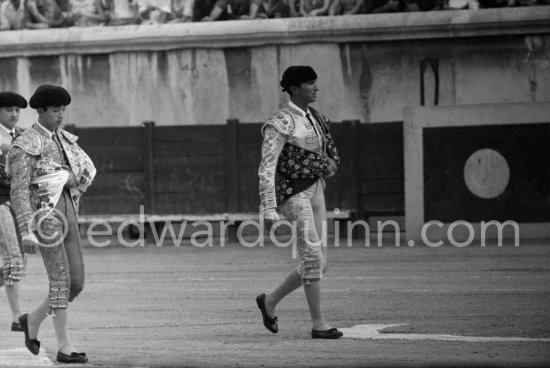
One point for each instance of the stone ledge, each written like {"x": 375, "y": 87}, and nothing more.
{"x": 358, "y": 28}
{"x": 215, "y": 217}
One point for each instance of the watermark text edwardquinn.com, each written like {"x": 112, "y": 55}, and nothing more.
{"x": 201, "y": 233}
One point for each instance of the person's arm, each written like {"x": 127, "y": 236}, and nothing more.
{"x": 176, "y": 9}
{"x": 145, "y": 13}
{"x": 21, "y": 166}
{"x": 272, "y": 147}
{"x": 93, "y": 16}
{"x": 391, "y": 5}
{"x": 217, "y": 10}
{"x": 188, "y": 9}
{"x": 254, "y": 9}
{"x": 4, "y": 21}
{"x": 134, "y": 7}
{"x": 334, "y": 7}
{"x": 32, "y": 10}
{"x": 356, "y": 8}
{"x": 268, "y": 6}
{"x": 292, "y": 8}
{"x": 322, "y": 10}
{"x": 303, "y": 12}
{"x": 32, "y": 25}
{"x": 51, "y": 9}
{"x": 104, "y": 15}
{"x": 182, "y": 10}
{"x": 145, "y": 8}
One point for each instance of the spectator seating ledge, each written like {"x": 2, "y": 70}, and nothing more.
{"x": 240, "y": 33}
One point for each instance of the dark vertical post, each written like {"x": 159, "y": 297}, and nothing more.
{"x": 434, "y": 64}
{"x": 435, "y": 68}
{"x": 232, "y": 179}
{"x": 422, "y": 71}
{"x": 349, "y": 178}
{"x": 148, "y": 165}
{"x": 351, "y": 170}
{"x": 356, "y": 175}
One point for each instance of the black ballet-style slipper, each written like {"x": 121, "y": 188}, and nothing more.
{"x": 72, "y": 358}
{"x": 16, "y": 327}
{"x": 332, "y": 334}
{"x": 269, "y": 323}
{"x": 32, "y": 344}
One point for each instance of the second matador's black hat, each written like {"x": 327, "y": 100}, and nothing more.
{"x": 296, "y": 75}
{"x": 48, "y": 95}
{"x": 10, "y": 99}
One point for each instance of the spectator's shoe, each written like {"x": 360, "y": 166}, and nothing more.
{"x": 32, "y": 344}
{"x": 333, "y": 334}
{"x": 269, "y": 323}
{"x": 72, "y": 358}
{"x": 16, "y": 327}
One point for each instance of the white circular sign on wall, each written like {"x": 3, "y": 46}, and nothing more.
{"x": 486, "y": 173}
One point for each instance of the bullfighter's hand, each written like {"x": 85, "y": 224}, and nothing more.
{"x": 270, "y": 218}
{"x": 30, "y": 243}
{"x": 333, "y": 168}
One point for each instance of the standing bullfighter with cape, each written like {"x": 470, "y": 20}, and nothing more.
{"x": 49, "y": 174}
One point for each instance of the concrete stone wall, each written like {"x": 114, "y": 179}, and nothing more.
{"x": 368, "y": 65}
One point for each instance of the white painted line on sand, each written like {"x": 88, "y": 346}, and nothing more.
{"x": 372, "y": 332}
{"x": 21, "y": 357}
{"x": 469, "y": 291}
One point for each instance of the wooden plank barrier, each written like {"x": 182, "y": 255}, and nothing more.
{"x": 209, "y": 172}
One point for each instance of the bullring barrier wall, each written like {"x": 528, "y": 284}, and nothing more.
{"x": 206, "y": 73}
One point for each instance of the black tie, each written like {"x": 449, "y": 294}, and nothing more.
{"x": 317, "y": 132}
{"x": 12, "y": 136}
{"x": 312, "y": 124}
{"x": 57, "y": 141}
{"x": 59, "y": 145}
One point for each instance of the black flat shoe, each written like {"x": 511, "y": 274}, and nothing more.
{"x": 16, "y": 327}
{"x": 269, "y": 323}
{"x": 32, "y": 344}
{"x": 72, "y": 358}
{"x": 333, "y": 334}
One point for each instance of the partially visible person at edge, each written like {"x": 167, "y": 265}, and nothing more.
{"x": 11, "y": 251}
{"x": 12, "y": 14}
{"x": 49, "y": 174}
{"x": 40, "y": 14}
{"x": 298, "y": 146}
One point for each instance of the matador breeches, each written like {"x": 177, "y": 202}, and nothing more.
{"x": 13, "y": 258}
{"x": 62, "y": 253}
{"x": 307, "y": 211}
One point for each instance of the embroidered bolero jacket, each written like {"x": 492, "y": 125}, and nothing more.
{"x": 5, "y": 179}
{"x": 295, "y": 154}
{"x": 35, "y": 154}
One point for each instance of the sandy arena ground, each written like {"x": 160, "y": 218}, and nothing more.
{"x": 194, "y": 307}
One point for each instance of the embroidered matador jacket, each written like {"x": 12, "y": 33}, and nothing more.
{"x": 5, "y": 179}
{"x": 34, "y": 156}
{"x": 295, "y": 154}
